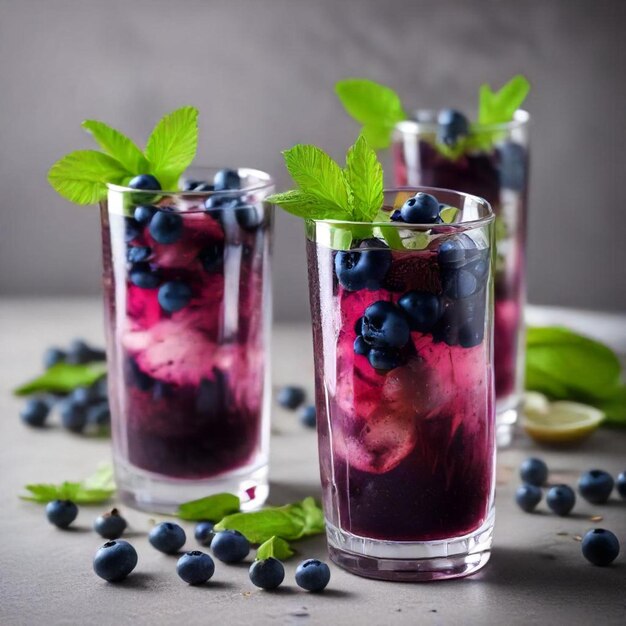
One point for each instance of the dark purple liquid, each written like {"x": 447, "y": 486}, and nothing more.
{"x": 408, "y": 454}
{"x": 188, "y": 385}
{"x": 481, "y": 174}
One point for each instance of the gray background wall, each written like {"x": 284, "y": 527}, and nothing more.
{"x": 262, "y": 72}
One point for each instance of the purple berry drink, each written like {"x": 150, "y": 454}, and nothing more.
{"x": 494, "y": 167}
{"x": 187, "y": 295}
{"x": 404, "y": 387}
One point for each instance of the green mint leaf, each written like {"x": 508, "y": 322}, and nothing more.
{"x": 303, "y": 204}
{"x": 567, "y": 366}
{"x": 101, "y": 479}
{"x": 212, "y": 508}
{"x": 63, "y": 378}
{"x": 614, "y": 408}
{"x": 499, "y": 107}
{"x": 448, "y": 214}
{"x": 376, "y": 107}
{"x": 364, "y": 175}
{"x": 259, "y": 526}
{"x": 172, "y": 145}
{"x": 118, "y": 145}
{"x": 274, "y": 547}
{"x": 81, "y": 176}
{"x": 318, "y": 175}
{"x": 93, "y": 490}
{"x": 314, "y": 523}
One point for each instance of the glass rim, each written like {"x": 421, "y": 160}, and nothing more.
{"x": 521, "y": 117}
{"x": 266, "y": 182}
{"x": 463, "y": 225}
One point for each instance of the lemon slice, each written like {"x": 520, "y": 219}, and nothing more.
{"x": 563, "y": 423}
{"x": 536, "y": 403}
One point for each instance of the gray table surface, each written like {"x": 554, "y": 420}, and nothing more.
{"x": 536, "y": 574}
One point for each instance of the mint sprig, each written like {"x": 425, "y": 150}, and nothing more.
{"x": 567, "y": 366}
{"x": 274, "y": 547}
{"x": 81, "y": 177}
{"x": 326, "y": 191}
{"x": 212, "y": 508}
{"x": 63, "y": 378}
{"x": 498, "y": 107}
{"x": 95, "y": 489}
{"x": 376, "y": 107}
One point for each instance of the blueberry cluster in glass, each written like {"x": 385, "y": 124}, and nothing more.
{"x": 455, "y": 315}
{"x": 165, "y": 225}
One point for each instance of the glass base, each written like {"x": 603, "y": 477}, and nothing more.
{"x": 409, "y": 561}
{"x": 159, "y": 494}
{"x": 507, "y": 413}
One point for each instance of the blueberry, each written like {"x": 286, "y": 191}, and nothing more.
{"x": 145, "y": 182}
{"x": 61, "y": 513}
{"x": 80, "y": 352}
{"x": 312, "y": 575}
{"x": 166, "y": 227}
{"x": 385, "y": 326}
{"x": 197, "y": 185}
{"x": 422, "y": 208}
{"x": 132, "y": 229}
{"x": 620, "y": 483}
{"x": 291, "y": 397}
{"x": 35, "y": 412}
{"x": 600, "y": 547}
{"x": 422, "y": 309}
{"x": 73, "y": 415}
{"x": 138, "y": 254}
{"x": 144, "y": 213}
{"x": 190, "y": 184}
{"x": 534, "y": 471}
{"x": 204, "y": 533}
{"x": 230, "y": 546}
{"x": 308, "y": 416}
{"x": 383, "y": 359}
{"x": 195, "y": 567}
{"x": 361, "y": 346}
{"x": 52, "y": 356}
{"x": 459, "y": 283}
{"x": 358, "y": 326}
{"x": 528, "y": 497}
{"x": 115, "y": 560}
{"x": 512, "y": 166}
{"x": 84, "y": 395}
{"x": 99, "y": 415}
{"x": 471, "y": 333}
{"x": 396, "y": 216}
{"x": 215, "y": 203}
{"x": 267, "y": 573}
{"x": 212, "y": 257}
{"x": 174, "y": 296}
{"x": 596, "y": 486}
{"x": 452, "y": 126}
{"x": 102, "y": 388}
{"x": 226, "y": 179}
{"x": 110, "y": 525}
{"x": 142, "y": 276}
{"x": 561, "y": 499}
{"x": 167, "y": 537}
{"x": 453, "y": 251}
{"x": 362, "y": 269}
{"x": 248, "y": 217}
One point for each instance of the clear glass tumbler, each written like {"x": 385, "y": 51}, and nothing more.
{"x": 495, "y": 167}
{"x": 188, "y": 311}
{"x": 402, "y": 334}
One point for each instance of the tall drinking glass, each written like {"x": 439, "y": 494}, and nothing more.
{"x": 188, "y": 311}
{"x": 402, "y": 334}
{"x": 496, "y": 168}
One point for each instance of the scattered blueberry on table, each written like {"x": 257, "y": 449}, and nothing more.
{"x": 308, "y": 416}
{"x": 115, "y": 560}
{"x": 195, "y": 567}
{"x": 312, "y": 575}
{"x": 35, "y": 412}
{"x": 528, "y": 497}
{"x": 110, "y": 525}
{"x": 61, "y": 513}
{"x": 204, "y": 533}
{"x": 561, "y": 499}
{"x": 230, "y": 546}
{"x": 620, "y": 483}
{"x": 167, "y": 537}
{"x": 291, "y": 397}
{"x": 600, "y": 546}
{"x": 596, "y": 486}
{"x": 267, "y": 573}
{"x": 534, "y": 472}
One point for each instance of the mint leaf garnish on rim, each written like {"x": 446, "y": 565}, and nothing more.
{"x": 376, "y": 107}
{"x": 274, "y": 547}
{"x": 499, "y": 107}
{"x": 82, "y": 176}
{"x": 63, "y": 378}
{"x": 326, "y": 191}
{"x": 212, "y": 508}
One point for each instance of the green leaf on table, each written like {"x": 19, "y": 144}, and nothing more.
{"x": 377, "y": 107}
{"x": 567, "y": 366}
{"x": 498, "y": 107}
{"x": 212, "y": 508}
{"x": 274, "y": 547}
{"x": 172, "y": 145}
{"x": 63, "y": 378}
{"x": 118, "y": 145}
{"x": 313, "y": 517}
{"x": 364, "y": 175}
{"x": 93, "y": 490}
{"x": 81, "y": 176}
